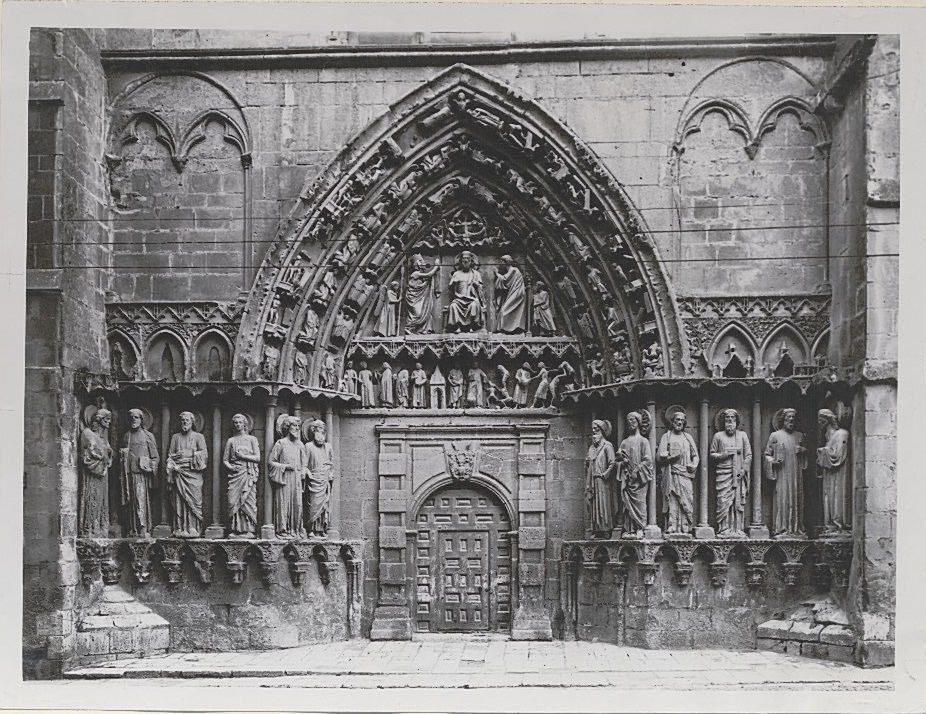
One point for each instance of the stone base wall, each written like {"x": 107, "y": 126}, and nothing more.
{"x": 228, "y": 595}
{"x": 666, "y": 615}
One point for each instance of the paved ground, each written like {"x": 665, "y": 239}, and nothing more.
{"x": 475, "y": 662}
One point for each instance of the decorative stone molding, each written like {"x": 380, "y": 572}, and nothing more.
{"x": 824, "y": 557}
{"x": 186, "y": 325}
{"x": 111, "y": 556}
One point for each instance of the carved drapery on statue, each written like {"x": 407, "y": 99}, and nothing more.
{"x": 461, "y": 147}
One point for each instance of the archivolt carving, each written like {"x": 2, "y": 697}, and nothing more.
{"x": 385, "y": 193}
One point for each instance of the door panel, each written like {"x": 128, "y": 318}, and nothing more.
{"x": 463, "y": 599}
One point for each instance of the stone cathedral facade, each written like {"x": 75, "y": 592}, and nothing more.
{"x": 375, "y": 336}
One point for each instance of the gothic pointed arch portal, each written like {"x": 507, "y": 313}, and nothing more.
{"x": 462, "y": 163}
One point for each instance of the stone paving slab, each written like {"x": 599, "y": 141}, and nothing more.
{"x": 449, "y": 663}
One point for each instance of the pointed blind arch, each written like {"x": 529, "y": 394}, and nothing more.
{"x": 462, "y": 139}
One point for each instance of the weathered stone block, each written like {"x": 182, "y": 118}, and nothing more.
{"x": 531, "y": 537}
{"x": 774, "y": 629}
{"x": 93, "y": 643}
{"x": 874, "y": 653}
{"x": 392, "y": 536}
{"x": 838, "y": 653}
{"x": 815, "y": 650}
{"x": 837, "y": 635}
{"x": 874, "y": 626}
{"x": 531, "y": 464}
{"x": 773, "y": 645}
{"x": 805, "y": 632}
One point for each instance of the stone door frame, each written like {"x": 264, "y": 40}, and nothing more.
{"x": 399, "y": 502}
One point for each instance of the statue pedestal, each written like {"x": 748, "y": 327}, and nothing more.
{"x": 267, "y": 533}
{"x": 704, "y": 532}
{"x": 757, "y": 532}
{"x": 651, "y": 532}
{"x": 214, "y": 532}
{"x": 161, "y": 531}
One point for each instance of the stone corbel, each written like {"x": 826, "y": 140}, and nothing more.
{"x": 683, "y": 573}
{"x": 648, "y": 571}
{"x": 203, "y": 560}
{"x": 141, "y": 560}
{"x": 237, "y": 567}
{"x": 90, "y": 556}
{"x": 755, "y": 574}
{"x": 718, "y": 573}
{"x": 790, "y": 572}
{"x": 172, "y": 563}
{"x": 269, "y": 557}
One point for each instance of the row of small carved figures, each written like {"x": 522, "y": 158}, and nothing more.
{"x": 107, "y": 556}
{"x": 829, "y": 560}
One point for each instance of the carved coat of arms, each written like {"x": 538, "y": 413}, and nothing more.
{"x": 462, "y": 460}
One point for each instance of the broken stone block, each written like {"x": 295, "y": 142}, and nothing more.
{"x": 837, "y": 635}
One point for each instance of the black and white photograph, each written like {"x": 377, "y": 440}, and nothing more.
{"x": 372, "y": 361}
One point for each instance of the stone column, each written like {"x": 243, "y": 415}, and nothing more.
{"x": 163, "y": 530}
{"x": 757, "y": 529}
{"x": 531, "y": 620}
{"x": 215, "y": 529}
{"x": 334, "y": 501}
{"x": 617, "y": 436}
{"x": 652, "y": 530}
{"x": 267, "y": 531}
{"x": 704, "y": 530}
{"x": 391, "y": 617}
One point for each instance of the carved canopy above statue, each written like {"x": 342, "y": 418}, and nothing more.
{"x": 464, "y": 163}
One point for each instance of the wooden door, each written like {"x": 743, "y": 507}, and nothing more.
{"x": 462, "y": 563}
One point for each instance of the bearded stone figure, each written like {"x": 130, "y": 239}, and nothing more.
{"x": 679, "y": 458}
{"x": 319, "y": 477}
{"x": 785, "y": 461}
{"x": 600, "y": 482}
{"x": 287, "y": 466}
{"x": 186, "y": 461}
{"x": 139, "y": 456}
{"x": 732, "y": 454}
{"x": 466, "y": 312}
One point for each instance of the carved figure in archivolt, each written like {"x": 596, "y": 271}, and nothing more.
{"x": 386, "y": 391}
{"x": 387, "y": 324}
{"x": 455, "y": 388}
{"x": 510, "y": 298}
{"x": 270, "y": 362}
{"x": 139, "y": 456}
{"x": 635, "y": 474}
{"x": 349, "y": 379}
{"x": 309, "y": 326}
{"x": 420, "y": 291}
{"x": 287, "y": 467}
{"x": 542, "y": 322}
{"x": 367, "y": 390}
{"x": 96, "y": 456}
{"x": 419, "y": 386}
{"x": 319, "y": 477}
{"x": 300, "y": 367}
{"x": 600, "y": 481}
{"x": 241, "y": 457}
{"x": 833, "y": 463}
{"x": 466, "y": 312}
{"x": 327, "y": 376}
{"x": 731, "y": 453}
{"x": 522, "y": 382}
{"x": 543, "y": 386}
{"x": 186, "y": 461}
{"x": 678, "y": 456}
{"x": 476, "y": 380}
{"x": 785, "y": 461}
{"x": 402, "y": 384}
